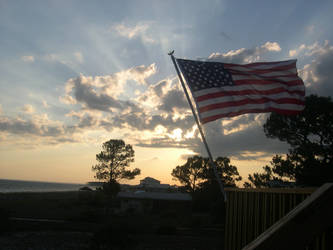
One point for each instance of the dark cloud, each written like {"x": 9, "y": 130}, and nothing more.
{"x": 173, "y": 99}
{"x": 17, "y": 126}
{"x": 167, "y": 142}
{"x": 87, "y": 121}
{"x": 158, "y": 88}
{"x": 250, "y": 139}
{"x": 320, "y": 74}
{"x": 86, "y": 94}
{"x": 143, "y": 121}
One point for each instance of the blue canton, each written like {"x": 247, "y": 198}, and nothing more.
{"x": 204, "y": 75}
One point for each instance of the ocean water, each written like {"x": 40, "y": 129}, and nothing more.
{"x": 12, "y": 186}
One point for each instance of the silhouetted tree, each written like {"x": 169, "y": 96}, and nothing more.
{"x": 191, "y": 173}
{"x": 197, "y": 170}
{"x": 280, "y": 170}
{"x": 113, "y": 160}
{"x": 310, "y": 135}
{"x": 227, "y": 172}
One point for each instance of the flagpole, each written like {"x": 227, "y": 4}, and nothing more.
{"x": 199, "y": 127}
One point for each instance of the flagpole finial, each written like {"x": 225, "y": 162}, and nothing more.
{"x": 171, "y": 53}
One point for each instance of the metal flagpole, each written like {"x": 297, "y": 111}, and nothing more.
{"x": 199, "y": 127}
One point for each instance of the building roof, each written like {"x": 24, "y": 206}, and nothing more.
{"x": 155, "y": 196}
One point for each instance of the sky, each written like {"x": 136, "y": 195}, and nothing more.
{"x": 74, "y": 74}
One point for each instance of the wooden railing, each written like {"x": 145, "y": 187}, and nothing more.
{"x": 250, "y": 212}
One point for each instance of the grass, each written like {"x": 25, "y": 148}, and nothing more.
{"x": 85, "y": 212}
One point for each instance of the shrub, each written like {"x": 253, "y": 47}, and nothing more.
{"x": 5, "y": 225}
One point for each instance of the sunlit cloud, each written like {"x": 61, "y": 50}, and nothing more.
{"x": 157, "y": 115}
{"x": 102, "y": 92}
{"x": 317, "y": 74}
{"x": 45, "y": 104}
{"x": 29, "y": 109}
{"x": 191, "y": 133}
{"x": 28, "y": 58}
{"x": 176, "y": 134}
{"x": 130, "y": 32}
{"x": 244, "y": 55}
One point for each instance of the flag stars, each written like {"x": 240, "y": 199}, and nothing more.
{"x": 202, "y": 75}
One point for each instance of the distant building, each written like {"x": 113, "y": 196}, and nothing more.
{"x": 153, "y": 185}
{"x": 149, "y": 181}
{"x": 149, "y": 184}
{"x": 150, "y": 196}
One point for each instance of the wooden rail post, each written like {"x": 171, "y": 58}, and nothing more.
{"x": 295, "y": 230}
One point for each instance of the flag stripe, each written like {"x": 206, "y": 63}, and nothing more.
{"x": 267, "y": 74}
{"x": 268, "y": 81}
{"x": 247, "y": 111}
{"x": 261, "y": 65}
{"x": 261, "y": 106}
{"x": 239, "y": 90}
{"x": 242, "y": 102}
{"x": 226, "y": 90}
{"x": 286, "y": 68}
{"x": 227, "y": 97}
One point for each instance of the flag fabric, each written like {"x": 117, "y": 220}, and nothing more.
{"x": 227, "y": 90}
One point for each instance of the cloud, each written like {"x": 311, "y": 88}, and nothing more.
{"x": 131, "y": 32}
{"x": 90, "y": 98}
{"x": 318, "y": 74}
{"x": 102, "y": 92}
{"x": 29, "y": 109}
{"x": 28, "y": 58}
{"x": 249, "y": 137}
{"x": 78, "y": 56}
{"x": 315, "y": 49}
{"x": 244, "y": 55}
{"x": 157, "y": 114}
{"x": 38, "y": 125}
{"x": 160, "y": 115}
{"x": 70, "y": 60}
{"x": 173, "y": 99}
{"x": 45, "y": 104}
{"x": 140, "y": 73}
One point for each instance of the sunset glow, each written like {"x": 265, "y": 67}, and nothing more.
{"x": 76, "y": 74}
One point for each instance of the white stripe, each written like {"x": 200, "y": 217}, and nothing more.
{"x": 236, "y": 77}
{"x": 280, "y": 73}
{"x": 247, "y": 87}
{"x": 244, "y": 97}
{"x": 224, "y": 111}
{"x": 248, "y": 67}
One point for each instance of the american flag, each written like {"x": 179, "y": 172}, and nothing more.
{"x": 227, "y": 90}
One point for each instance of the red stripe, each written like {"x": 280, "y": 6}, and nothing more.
{"x": 261, "y": 76}
{"x": 262, "y": 71}
{"x": 249, "y": 101}
{"x": 247, "y": 92}
{"x": 291, "y": 62}
{"x": 245, "y": 111}
{"x": 267, "y": 81}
